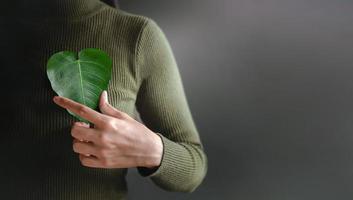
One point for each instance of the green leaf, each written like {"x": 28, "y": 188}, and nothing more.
{"x": 81, "y": 79}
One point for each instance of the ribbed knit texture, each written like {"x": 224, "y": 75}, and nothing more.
{"x": 37, "y": 160}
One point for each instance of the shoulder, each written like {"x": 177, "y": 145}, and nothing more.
{"x": 140, "y": 35}
{"x": 127, "y": 21}
{"x": 135, "y": 29}
{"x": 142, "y": 31}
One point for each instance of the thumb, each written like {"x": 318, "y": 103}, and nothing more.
{"x": 106, "y": 108}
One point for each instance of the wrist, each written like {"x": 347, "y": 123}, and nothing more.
{"x": 154, "y": 157}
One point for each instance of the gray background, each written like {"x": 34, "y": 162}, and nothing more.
{"x": 270, "y": 86}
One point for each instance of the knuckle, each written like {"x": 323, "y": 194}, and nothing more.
{"x": 105, "y": 162}
{"x": 73, "y": 129}
{"x": 74, "y": 147}
{"x": 110, "y": 123}
{"x": 106, "y": 126}
{"x": 104, "y": 138}
{"x": 106, "y": 106}
{"x": 125, "y": 115}
{"x": 118, "y": 114}
{"x": 82, "y": 110}
{"x": 81, "y": 157}
{"x": 103, "y": 153}
{"x": 83, "y": 160}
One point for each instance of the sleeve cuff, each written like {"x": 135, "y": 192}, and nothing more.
{"x": 180, "y": 168}
{"x": 149, "y": 172}
{"x": 171, "y": 163}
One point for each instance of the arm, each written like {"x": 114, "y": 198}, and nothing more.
{"x": 163, "y": 108}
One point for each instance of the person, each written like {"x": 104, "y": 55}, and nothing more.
{"x": 46, "y": 152}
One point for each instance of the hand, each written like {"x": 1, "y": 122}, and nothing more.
{"x": 116, "y": 140}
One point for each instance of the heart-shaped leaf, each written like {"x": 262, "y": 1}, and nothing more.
{"x": 81, "y": 79}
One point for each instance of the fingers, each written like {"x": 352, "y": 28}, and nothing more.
{"x": 84, "y": 148}
{"x": 89, "y": 161}
{"x": 81, "y": 110}
{"x": 83, "y": 124}
{"x": 84, "y": 133}
{"x": 95, "y": 162}
{"x": 111, "y": 111}
{"x": 108, "y": 109}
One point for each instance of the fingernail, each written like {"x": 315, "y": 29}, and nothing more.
{"x": 105, "y": 96}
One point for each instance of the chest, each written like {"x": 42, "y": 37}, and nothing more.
{"x": 27, "y": 71}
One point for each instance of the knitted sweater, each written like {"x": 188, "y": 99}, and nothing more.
{"x": 37, "y": 159}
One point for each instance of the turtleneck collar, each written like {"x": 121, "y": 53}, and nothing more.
{"x": 52, "y": 9}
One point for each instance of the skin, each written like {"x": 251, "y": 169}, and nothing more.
{"x": 116, "y": 140}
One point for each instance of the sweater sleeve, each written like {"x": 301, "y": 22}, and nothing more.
{"x": 163, "y": 108}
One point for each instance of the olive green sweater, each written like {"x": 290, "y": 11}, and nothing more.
{"x": 37, "y": 159}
